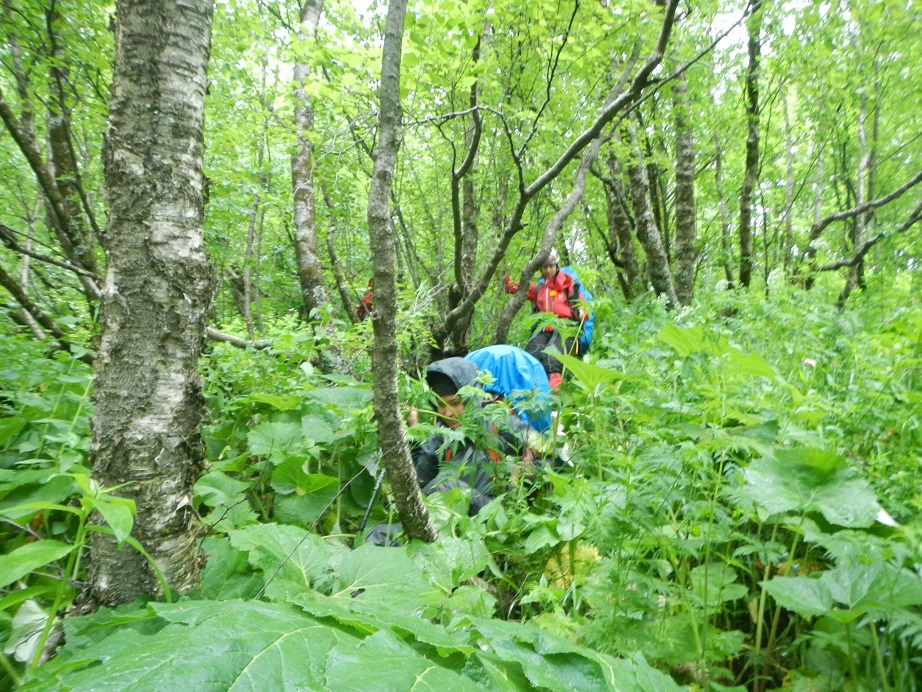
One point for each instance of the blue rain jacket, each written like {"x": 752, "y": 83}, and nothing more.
{"x": 520, "y": 379}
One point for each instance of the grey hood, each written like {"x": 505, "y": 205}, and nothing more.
{"x": 461, "y": 372}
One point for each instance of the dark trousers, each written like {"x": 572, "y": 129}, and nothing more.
{"x": 545, "y": 339}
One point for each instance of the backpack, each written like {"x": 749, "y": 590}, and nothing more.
{"x": 588, "y": 329}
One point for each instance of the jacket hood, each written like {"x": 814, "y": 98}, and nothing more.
{"x": 461, "y": 372}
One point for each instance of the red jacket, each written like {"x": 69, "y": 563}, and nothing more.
{"x": 554, "y": 296}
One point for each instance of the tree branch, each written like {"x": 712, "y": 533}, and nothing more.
{"x": 914, "y": 218}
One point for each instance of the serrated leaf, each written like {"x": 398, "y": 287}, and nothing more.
{"x": 396, "y": 666}
{"x": 301, "y": 558}
{"x": 317, "y": 428}
{"x": 369, "y": 617}
{"x": 29, "y": 557}
{"x": 228, "y": 645}
{"x": 590, "y": 376}
{"x": 228, "y": 574}
{"x": 375, "y": 575}
{"x": 216, "y": 488}
{"x": 342, "y": 398}
{"x": 808, "y": 480}
{"x": 803, "y": 595}
{"x": 275, "y": 440}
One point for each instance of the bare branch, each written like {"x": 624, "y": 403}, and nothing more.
{"x": 914, "y": 218}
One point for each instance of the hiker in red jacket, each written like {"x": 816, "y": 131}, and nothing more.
{"x": 364, "y": 307}
{"x": 560, "y": 293}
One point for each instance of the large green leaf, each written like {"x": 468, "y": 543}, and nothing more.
{"x": 228, "y": 573}
{"x": 685, "y": 341}
{"x": 342, "y": 398}
{"x": 217, "y": 488}
{"x": 381, "y": 576}
{"x": 384, "y": 662}
{"x": 298, "y": 560}
{"x": 811, "y": 480}
{"x": 316, "y": 427}
{"x": 368, "y": 617}
{"x": 554, "y": 663}
{"x": 803, "y": 595}
{"x": 276, "y": 440}
{"x": 219, "y": 646}
{"x": 848, "y": 591}
{"x": 29, "y": 557}
{"x": 590, "y": 376}
{"x": 282, "y": 402}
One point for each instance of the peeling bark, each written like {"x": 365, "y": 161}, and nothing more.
{"x": 307, "y": 249}
{"x": 149, "y": 403}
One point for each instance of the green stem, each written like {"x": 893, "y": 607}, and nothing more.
{"x": 777, "y": 615}
{"x": 879, "y": 656}
{"x": 851, "y": 657}
{"x": 72, "y": 562}
{"x": 10, "y": 670}
{"x": 762, "y": 598}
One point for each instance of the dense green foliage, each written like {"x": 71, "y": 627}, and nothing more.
{"x": 740, "y": 505}
{"x": 740, "y": 495}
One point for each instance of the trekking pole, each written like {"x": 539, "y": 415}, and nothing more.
{"x": 374, "y": 496}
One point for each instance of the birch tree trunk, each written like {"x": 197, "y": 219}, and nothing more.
{"x": 686, "y": 253}
{"x": 647, "y": 231}
{"x": 146, "y": 432}
{"x": 307, "y": 248}
{"x": 395, "y": 451}
{"x": 752, "y": 141}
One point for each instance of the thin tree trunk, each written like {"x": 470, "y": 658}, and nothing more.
{"x": 686, "y": 252}
{"x": 751, "y": 175}
{"x": 149, "y": 403}
{"x": 724, "y": 212}
{"x": 307, "y": 253}
{"x": 855, "y": 275}
{"x": 395, "y": 452}
{"x": 620, "y": 236}
{"x": 348, "y": 303}
{"x": 788, "y": 186}
{"x": 647, "y": 232}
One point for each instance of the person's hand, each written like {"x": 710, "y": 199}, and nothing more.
{"x": 412, "y": 418}
{"x": 511, "y": 286}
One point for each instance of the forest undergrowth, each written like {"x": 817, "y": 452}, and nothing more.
{"x": 737, "y": 507}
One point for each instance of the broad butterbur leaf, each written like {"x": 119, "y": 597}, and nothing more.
{"x": 205, "y": 646}
{"x": 298, "y": 560}
{"x": 685, "y": 341}
{"x": 384, "y": 662}
{"x": 381, "y": 576}
{"x": 811, "y": 480}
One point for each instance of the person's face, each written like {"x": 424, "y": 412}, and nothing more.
{"x": 549, "y": 271}
{"x": 450, "y": 408}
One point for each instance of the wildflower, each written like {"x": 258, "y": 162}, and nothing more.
{"x": 809, "y": 362}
